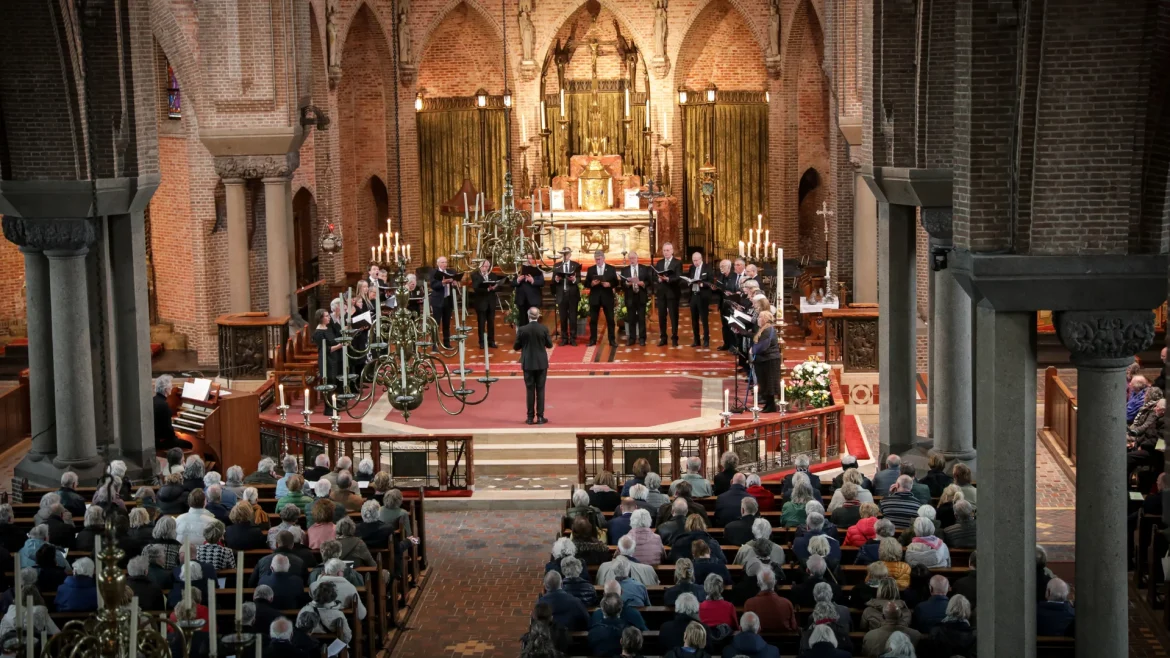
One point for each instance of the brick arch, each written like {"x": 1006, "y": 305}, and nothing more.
{"x": 489, "y": 17}
{"x": 689, "y": 56}
{"x": 807, "y": 106}
{"x": 173, "y": 40}
{"x": 541, "y": 50}
{"x": 343, "y": 32}
{"x": 745, "y": 13}
{"x": 457, "y": 62}
{"x": 800, "y": 10}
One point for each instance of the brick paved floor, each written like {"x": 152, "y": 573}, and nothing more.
{"x": 486, "y": 569}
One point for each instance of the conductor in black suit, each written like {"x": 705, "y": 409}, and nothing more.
{"x": 667, "y": 293}
{"x": 637, "y": 279}
{"x": 528, "y": 291}
{"x": 600, "y": 279}
{"x": 443, "y": 297}
{"x": 486, "y": 304}
{"x": 566, "y": 274}
{"x": 532, "y": 340}
{"x": 700, "y": 275}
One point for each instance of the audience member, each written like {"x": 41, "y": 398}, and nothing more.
{"x": 189, "y": 526}
{"x": 864, "y": 530}
{"x": 266, "y": 613}
{"x": 568, "y": 611}
{"x": 932, "y": 611}
{"x": 673, "y": 633}
{"x": 574, "y": 584}
{"x": 801, "y": 462}
{"x": 875, "y": 609}
{"x": 953, "y": 635}
{"x": 172, "y": 497}
{"x": 815, "y": 523}
{"x": 890, "y": 552}
{"x": 640, "y": 495}
{"x": 605, "y": 635}
{"x": 927, "y": 548}
{"x": 683, "y": 492}
{"x": 544, "y": 637}
{"x": 638, "y": 475}
{"x": 729, "y": 461}
{"x": 330, "y": 618}
{"x": 700, "y": 487}
{"x": 95, "y": 526}
{"x": 1055, "y": 615}
{"x": 848, "y": 513}
{"x": 654, "y": 495}
{"x": 647, "y": 544}
{"x": 899, "y": 505}
{"x": 602, "y": 494}
{"x": 962, "y": 534}
{"x": 375, "y": 532}
{"x": 714, "y": 610}
{"x": 344, "y": 496}
{"x": 747, "y": 642}
{"x": 875, "y": 574}
{"x": 816, "y": 571}
{"x": 37, "y": 537}
{"x": 212, "y": 551}
{"x": 765, "y": 499}
{"x": 331, "y": 550}
{"x": 793, "y": 513}
{"x": 295, "y": 494}
{"x": 967, "y": 584}
{"x": 285, "y": 547}
{"x": 289, "y": 515}
{"x": 936, "y": 478}
{"x": 590, "y": 550}
{"x": 776, "y": 613}
{"x": 761, "y": 530}
{"x": 393, "y": 514}
{"x": 346, "y": 594}
{"x": 353, "y": 549}
{"x": 822, "y": 643}
{"x": 739, "y": 531}
{"x": 158, "y": 571}
{"x": 891, "y": 621}
{"x": 150, "y": 595}
{"x": 945, "y": 514}
{"x": 562, "y": 548}
{"x": 323, "y": 528}
{"x": 320, "y": 469}
{"x": 684, "y": 583}
{"x": 12, "y": 538}
{"x": 823, "y": 593}
{"x": 289, "y": 467}
{"x": 696, "y": 528}
{"x": 1137, "y": 397}
{"x": 629, "y": 613}
{"x": 885, "y": 478}
{"x": 288, "y": 589}
{"x": 242, "y": 534}
{"x": 631, "y": 643}
{"x": 582, "y": 509}
{"x": 70, "y": 499}
{"x": 279, "y": 643}
{"x": 619, "y": 524}
{"x": 676, "y": 523}
{"x": 633, "y": 593}
{"x": 642, "y": 573}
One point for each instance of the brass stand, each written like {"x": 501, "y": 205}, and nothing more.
{"x": 545, "y": 156}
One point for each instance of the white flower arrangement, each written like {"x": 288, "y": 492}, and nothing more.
{"x": 810, "y": 382}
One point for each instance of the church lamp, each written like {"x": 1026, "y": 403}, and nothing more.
{"x": 711, "y": 90}
{"x": 682, "y": 96}
{"x": 481, "y": 97}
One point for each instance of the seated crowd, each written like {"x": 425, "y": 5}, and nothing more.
{"x": 197, "y": 521}
{"x": 888, "y": 524}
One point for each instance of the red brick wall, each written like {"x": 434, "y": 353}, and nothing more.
{"x": 717, "y": 50}
{"x": 462, "y": 55}
{"x": 12, "y": 307}
{"x": 171, "y": 234}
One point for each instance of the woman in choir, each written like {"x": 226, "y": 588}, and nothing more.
{"x": 328, "y": 351}
{"x": 361, "y": 304}
{"x": 766, "y": 357}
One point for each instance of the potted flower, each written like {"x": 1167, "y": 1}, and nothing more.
{"x": 512, "y": 316}
{"x": 582, "y": 310}
{"x": 809, "y": 385}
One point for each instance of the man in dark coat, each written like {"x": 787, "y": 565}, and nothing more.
{"x": 667, "y": 293}
{"x": 637, "y": 280}
{"x": 727, "y": 504}
{"x": 164, "y": 431}
{"x": 729, "y": 292}
{"x": 600, "y": 280}
{"x": 701, "y": 290}
{"x": 528, "y": 291}
{"x": 568, "y": 611}
{"x": 532, "y": 340}
{"x": 739, "y": 531}
{"x": 443, "y": 291}
{"x": 288, "y": 590}
{"x": 564, "y": 282}
{"x": 150, "y": 595}
{"x": 486, "y": 303}
{"x": 266, "y": 613}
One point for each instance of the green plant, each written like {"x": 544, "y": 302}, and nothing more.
{"x": 620, "y": 310}
{"x": 512, "y": 315}
{"x": 582, "y": 302}
{"x": 810, "y": 383}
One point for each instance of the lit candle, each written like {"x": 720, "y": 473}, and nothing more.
{"x": 767, "y": 236}
{"x": 462, "y": 373}
{"x": 306, "y": 399}
{"x": 213, "y": 650}
{"x": 381, "y": 240}
{"x": 759, "y": 221}
{"x": 627, "y": 101}
{"x": 562, "y": 103}
{"x": 133, "y": 628}
{"x": 373, "y": 253}
{"x": 408, "y": 252}
{"x": 387, "y": 226}
{"x": 486, "y": 356}
{"x": 402, "y": 364}
{"x": 741, "y": 248}
{"x": 726, "y": 400}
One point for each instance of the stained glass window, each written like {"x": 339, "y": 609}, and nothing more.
{"x": 174, "y": 95}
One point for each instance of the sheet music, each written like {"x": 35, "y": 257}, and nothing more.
{"x": 336, "y": 648}
{"x": 197, "y": 390}
{"x": 364, "y": 317}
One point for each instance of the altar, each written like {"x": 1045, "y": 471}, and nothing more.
{"x": 611, "y": 231}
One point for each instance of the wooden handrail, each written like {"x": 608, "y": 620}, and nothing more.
{"x": 1060, "y": 413}
{"x": 318, "y": 282}
{"x": 251, "y": 319}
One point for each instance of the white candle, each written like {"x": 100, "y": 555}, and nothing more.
{"x": 373, "y": 253}
{"x": 565, "y": 233}
{"x": 388, "y": 226}
{"x": 464, "y": 305}
{"x": 828, "y": 268}
{"x": 402, "y": 364}
{"x": 97, "y": 552}
{"x": 756, "y": 395}
{"x": 258, "y": 644}
{"x": 408, "y": 252}
{"x": 767, "y": 236}
{"x": 462, "y": 374}
{"x": 486, "y": 356}
{"x": 133, "y": 628}
{"x": 281, "y": 389}
{"x": 726, "y": 400}
{"x": 782, "y": 391}
{"x": 562, "y": 103}
{"x": 211, "y": 624}
{"x": 751, "y": 236}
{"x": 335, "y": 416}
{"x": 780, "y": 289}
{"x": 324, "y": 361}
{"x": 543, "y": 114}
{"x": 381, "y": 240}
{"x": 345, "y": 367}
{"x": 239, "y": 584}
{"x": 187, "y": 574}
{"x": 759, "y": 222}
{"x": 741, "y": 248}
{"x": 646, "y": 114}
{"x": 627, "y": 101}
{"x": 306, "y": 399}
{"x": 377, "y": 313}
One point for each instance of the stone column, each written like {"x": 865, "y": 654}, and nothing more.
{"x": 896, "y": 327}
{"x": 291, "y": 241}
{"x": 950, "y": 348}
{"x": 1005, "y": 383}
{"x": 1102, "y": 344}
{"x": 275, "y": 220}
{"x": 72, "y": 365}
{"x": 131, "y": 337}
{"x": 240, "y": 290}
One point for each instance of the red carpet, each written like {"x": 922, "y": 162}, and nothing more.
{"x": 854, "y": 442}
{"x": 566, "y": 354}
{"x": 594, "y": 402}
{"x": 434, "y": 492}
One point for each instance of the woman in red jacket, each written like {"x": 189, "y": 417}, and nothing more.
{"x": 863, "y": 531}
{"x": 764, "y": 497}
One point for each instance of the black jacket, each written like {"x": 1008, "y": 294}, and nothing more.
{"x": 722, "y": 482}
{"x": 150, "y": 596}
{"x": 562, "y": 285}
{"x": 72, "y": 501}
{"x": 244, "y": 537}
{"x": 440, "y": 294}
{"x": 936, "y": 481}
{"x": 324, "y": 340}
{"x": 948, "y": 639}
{"x": 670, "y": 287}
{"x": 286, "y": 649}
{"x": 595, "y": 284}
{"x": 172, "y": 499}
{"x": 739, "y": 531}
{"x": 316, "y": 473}
{"x": 531, "y": 341}
{"x": 266, "y": 613}
{"x": 727, "y": 505}
{"x": 529, "y": 294}
{"x": 164, "y": 429}
{"x": 60, "y": 533}
{"x": 646, "y": 283}
{"x": 12, "y": 538}
{"x": 288, "y": 591}
{"x": 376, "y": 534}
{"x": 483, "y": 294}
{"x": 670, "y": 635}
{"x": 705, "y": 291}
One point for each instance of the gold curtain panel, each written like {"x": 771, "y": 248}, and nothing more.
{"x": 448, "y": 140}
{"x": 612, "y": 115}
{"x": 741, "y": 161}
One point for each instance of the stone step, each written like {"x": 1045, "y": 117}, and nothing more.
{"x": 539, "y": 467}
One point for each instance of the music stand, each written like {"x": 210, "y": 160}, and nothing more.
{"x": 742, "y": 325}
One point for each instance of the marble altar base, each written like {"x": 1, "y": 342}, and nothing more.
{"x": 609, "y": 230}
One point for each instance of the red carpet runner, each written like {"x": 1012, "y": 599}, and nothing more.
{"x": 854, "y": 441}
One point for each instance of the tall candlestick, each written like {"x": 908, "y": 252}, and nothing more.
{"x": 377, "y": 314}
{"x": 751, "y": 236}
{"x": 388, "y": 225}
{"x": 462, "y": 374}
{"x": 324, "y": 361}
{"x": 425, "y": 314}
{"x": 767, "y": 236}
{"x": 828, "y": 268}
{"x": 741, "y": 248}
{"x": 239, "y": 584}
{"x": 373, "y": 253}
{"x": 212, "y": 626}
{"x": 782, "y": 400}
{"x": 187, "y": 574}
{"x": 335, "y": 416}
{"x": 344, "y": 373}
{"x": 134, "y": 628}
{"x": 726, "y": 400}
{"x": 759, "y": 221}
{"x": 756, "y": 396}
{"x": 464, "y": 305}
{"x": 306, "y": 399}
{"x": 487, "y": 354}
{"x": 402, "y": 366}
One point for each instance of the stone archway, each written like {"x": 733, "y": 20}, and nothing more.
{"x": 304, "y": 236}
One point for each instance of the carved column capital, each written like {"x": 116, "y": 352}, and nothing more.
{"x": 50, "y": 234}
{"x": 257, "y": 166}
{"x": 938, "y": 223}
{"x": 1105, "y": 339}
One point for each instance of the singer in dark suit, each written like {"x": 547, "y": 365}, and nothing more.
{"x": 667, "y": 293}
{"x": 485, "y": 301}
{"x": 700, "y": 275}
{"x": 731, "y": 293}
{"x": 443, "y": 297}
{"x": 600, "y": 279}
{"x": 566, "y": 275}
{"x": 528, "y": 291}
{"x": 637, "y": 280}
{"x": 532, "y": 340}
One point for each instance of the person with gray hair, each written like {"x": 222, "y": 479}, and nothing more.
{"x": 899, "y": 504}
{"x": 715, "y": 609}
{"x": 739, "y": 531}
{"x": 727, "y": 507}
{"x": 899, "y": 645}
{"x": 533, "y": 341}
{"x": 640, "y": 494}
{"x": 729, "y": 461}
{"x": 290, "y": 467}
{"x": 568, "y": 611}
{"x": 954, "y": 636}
{"x": 319, "y": 470}
{"x": 815, "y": 528}
{"x": 70, "y": 499}
{"x": 642, "y": 573}
{"x": 816, "y": 569}
{"x": 574, "y": 584}
{"x": 79, "y": 591}
{"x": 926, "y": 548}
{"x": 654, "y": 495}
{"x": 346, "y": 593}
{"x": 802, "y": 463}
{"x": 700, "y": 487}
{"x": 95, "y": 526}
{"x": 823, "y": 593}
{"x": 288, "y": 589}
{"x": 329, "y": 617}
{"x": 227, "y": 496}
{"x": 648, "y": 548}
{"x": 393, "y": 514}
{"x": 150, "y": 596}
{"x": 761, "y": 529}
{"x": 821, "y": 643}
{"x": 892, "y": 622}
{"x": 289, "y": 514}
{"x": 686, "y": 611}
{"x": 962, "y": 533}
{"x": 932, "y": 611}
{"x": 164, "y": 429}
{"x": 849, "y": 463}
{"x": 581, "y": 507}
{"x": 885, "y": 478}
{"x": 775, "y": 613}
{"x": 1055, "y": 615}
{"x": 676, "y": 524}
{"x": 748, "y": 641}
{"x": 193, "y": 470}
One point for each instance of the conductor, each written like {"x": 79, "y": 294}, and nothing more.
{"x": 532, "y": 340}
{"x": 600, "y": 280}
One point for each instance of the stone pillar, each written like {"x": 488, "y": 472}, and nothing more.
{"x": 38, "y": 306}
{"x": 72, "y": 365}
{"x": 950, "y": 348}
{"x": 131, "y": 337}
{"x": 1102, "y": 344}
{"x": 240, "y": 290}
{"x": 896, "y": 327}
{"x": 1005, "y": 383}
{"x": 275, "y": 219}
{"x": 291, "y": 241}
{"x": 865, "y": 289}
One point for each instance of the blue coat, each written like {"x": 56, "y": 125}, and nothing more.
{"x": 673, "y": 593}
{"x": 727, "y": 504}
{"x": 634, "y": 593}
{"x": 77, "y": 594}
{"x": 605, "y": 637}
{"x": 867, "y": 552}
{"x": 1055, "y": 618}
{"x": 750, "y": 645}
{"x": 28, "y": 553}
{"x": 929, "y": 613}
{"x": 800, "y": 547}
{"x": 707, "y": 566}
{"x": 618, "y": 527}
{"x": 288, "y": 590}
{"x": 567, "y": 610}
{"x": 629, "y": 615}
{"x": 625, "y": 493}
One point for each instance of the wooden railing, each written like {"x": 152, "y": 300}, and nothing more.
{"x": 15, "y": 417}
{"x": 767, "y": 445}
{"x": 1060, "y": 413}
{"x": 445, "y": 461}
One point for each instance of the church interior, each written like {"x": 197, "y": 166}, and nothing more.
{"x": 576, "y": 315}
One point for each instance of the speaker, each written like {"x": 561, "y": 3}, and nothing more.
{"x": 632, "y": 455}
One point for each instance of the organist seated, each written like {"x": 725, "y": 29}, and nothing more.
{"x": 164, "y": 431}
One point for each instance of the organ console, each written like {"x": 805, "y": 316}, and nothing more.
{"x": 223, "y": 427}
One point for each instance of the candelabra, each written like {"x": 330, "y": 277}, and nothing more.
{"x": 758, "y": 248}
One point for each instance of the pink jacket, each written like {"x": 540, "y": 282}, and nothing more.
{"x": 860, "y": 532}
{"x": 647, "y": 546}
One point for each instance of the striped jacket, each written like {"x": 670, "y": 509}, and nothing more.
{"x": 900, "y": 507}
